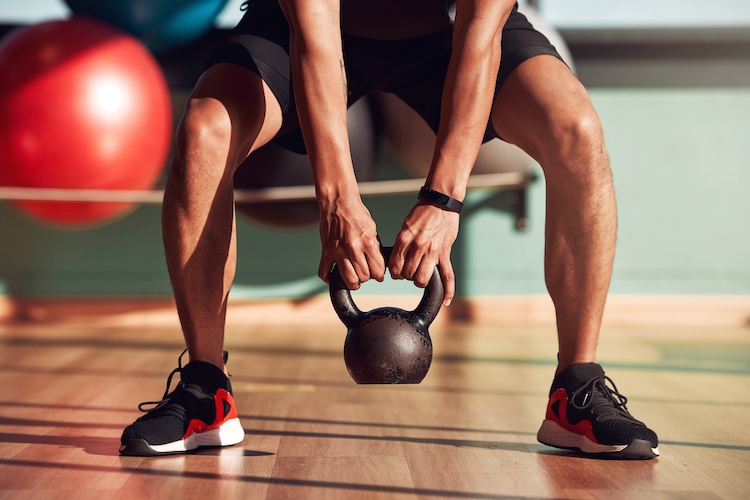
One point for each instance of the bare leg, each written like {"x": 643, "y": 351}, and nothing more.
{"x": 543, "y": 109}
{"x": 230, "y": 113}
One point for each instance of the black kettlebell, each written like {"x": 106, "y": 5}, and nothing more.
{"x": 387, "y": 345}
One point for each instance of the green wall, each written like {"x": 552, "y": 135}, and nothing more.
{"x": 681, "y": 164}
{"x": 681, "y": 161}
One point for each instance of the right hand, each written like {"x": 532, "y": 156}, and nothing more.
{"x": 425, "y": 241}
{"x": 350, "y": 240}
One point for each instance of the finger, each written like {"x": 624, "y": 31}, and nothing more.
{"x": 449, "y": 280}
{"x": 411, "y": 263}
{"x": 423, "y": 274}
{"x": 375, "y": 262}
{"x": 396, "y": 262}
{"x": 349, "y": 275}
{"x": 324, "y": 268}
{"x": 360, "y": 266}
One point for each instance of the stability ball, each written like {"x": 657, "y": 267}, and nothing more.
{"x": 412, "y": 141}
{"x": 160, "y": 24}
{"x": 274, "y": 166}
{"x": 82, "y": 106}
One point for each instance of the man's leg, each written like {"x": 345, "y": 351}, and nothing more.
{"x": 230, "y": 113}
{"x": 546, "y": 111}
{"x": 543, "y": 109}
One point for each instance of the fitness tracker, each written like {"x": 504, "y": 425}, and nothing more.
{"x": 441, "y": 199}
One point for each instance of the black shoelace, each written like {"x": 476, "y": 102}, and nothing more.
{"x": 167, "y": 395}
{"x": 605, "y": 403}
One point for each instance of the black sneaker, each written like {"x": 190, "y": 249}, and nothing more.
{"x": 585, "y": 414}
{"x": 199, "y": 412}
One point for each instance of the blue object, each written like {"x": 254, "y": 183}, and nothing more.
{"x": 160, "y": 24}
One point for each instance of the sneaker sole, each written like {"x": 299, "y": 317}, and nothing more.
{"x": 227, "y": 434}
{"x": 552, "y": 434}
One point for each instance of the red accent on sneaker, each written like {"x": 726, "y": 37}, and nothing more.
{"x": 582, "y": 428}
{"x": 196, "y": 426}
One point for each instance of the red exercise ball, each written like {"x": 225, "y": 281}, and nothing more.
{"x": 82, "y": 106}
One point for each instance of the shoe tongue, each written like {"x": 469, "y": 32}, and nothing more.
{"x": 204, "y": 374}
{"x": 576, "y": 374}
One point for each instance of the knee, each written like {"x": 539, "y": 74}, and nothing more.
{"x": 205, "y": 125}
{"x": 576, "y": 149}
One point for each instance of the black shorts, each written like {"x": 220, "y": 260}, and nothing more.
{"x": 414, "y": 69}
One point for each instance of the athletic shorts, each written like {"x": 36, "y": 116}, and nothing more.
{"x": 414, "y": 69}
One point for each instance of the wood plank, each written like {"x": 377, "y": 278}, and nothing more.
{"x": 468, "y": 431}
{"x": 523, "y": 310}
{"x": 341, "y": 477}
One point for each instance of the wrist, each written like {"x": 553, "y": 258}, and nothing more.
{"x": 333, "y": 197}
{"x": 332, "y": 188}
{"x": 451, "y": 185}
{"x": 441, "y": 200}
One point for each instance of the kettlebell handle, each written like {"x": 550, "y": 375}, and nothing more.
{"x": 350, "y": 314}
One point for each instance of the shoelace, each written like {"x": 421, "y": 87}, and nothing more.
{"x": 612, "y": 405}
{"x": 167, "y": 394}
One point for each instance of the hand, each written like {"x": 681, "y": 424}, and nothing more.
{"x": 424, "y": 242}
{"x": 350, "y": 240}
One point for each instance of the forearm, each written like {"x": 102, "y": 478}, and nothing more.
{"x": 467, "y": 97}
{"x": 321, "y": 96}
{"x": 348, "y": 234}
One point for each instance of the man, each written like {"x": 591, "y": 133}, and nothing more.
{"x": 288, "y": 72}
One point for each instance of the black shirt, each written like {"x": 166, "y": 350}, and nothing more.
{"x": 395, "y": 19}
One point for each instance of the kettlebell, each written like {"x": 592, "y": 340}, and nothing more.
{"x": 387, "y": 345}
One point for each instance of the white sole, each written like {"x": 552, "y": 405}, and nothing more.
{"x": 227, "y": 434}
{"x": 552, "y": 434}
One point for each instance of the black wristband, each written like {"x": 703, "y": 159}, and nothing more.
{"x": 441, "y": 199}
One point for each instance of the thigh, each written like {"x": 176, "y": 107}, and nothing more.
{"x": 260, "y": 44}
{"x": 541, "y": 106}
{"x": 232, "y": 95}
{"x": 421, "y": 87}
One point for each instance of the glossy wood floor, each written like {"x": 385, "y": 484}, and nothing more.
{"x": 468, "y": 431}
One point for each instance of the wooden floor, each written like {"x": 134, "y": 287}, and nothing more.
{"x": 468, "y": 431}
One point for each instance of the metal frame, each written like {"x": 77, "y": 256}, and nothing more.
{"x": 507, "y": 180}
{"x": 513, "y": 182}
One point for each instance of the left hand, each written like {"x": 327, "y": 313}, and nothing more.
{"x": 424, "y": 242}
